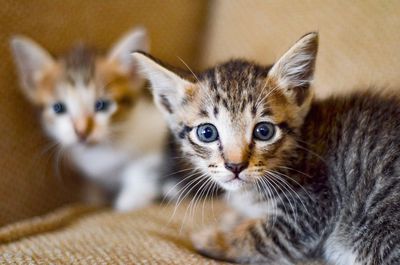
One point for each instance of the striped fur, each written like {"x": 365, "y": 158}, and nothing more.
{"x": 325, "y": 187}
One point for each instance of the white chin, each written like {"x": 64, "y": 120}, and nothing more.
{"x": 233, "y": 185}
{"x": 66, "y": 143}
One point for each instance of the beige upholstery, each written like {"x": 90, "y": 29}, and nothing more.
{"x": 359, "y": 40}
{"x": 84, "y": 235}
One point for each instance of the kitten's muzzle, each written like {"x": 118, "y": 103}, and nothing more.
{"x": 83, "y": 128}
{"x": 236, "y": 168}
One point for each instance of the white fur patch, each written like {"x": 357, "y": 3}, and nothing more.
{"x": 140, "y": 184}
{"x": 100, "y": 163}
{"x": 246, "y": 205}
{"x": 338, "y": 253}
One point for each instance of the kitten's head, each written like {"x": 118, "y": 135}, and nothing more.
{"x": 81, "y": 94}
{"x": 237, "y": 120}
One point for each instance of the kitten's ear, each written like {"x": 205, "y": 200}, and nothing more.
{"x": 32, "y": 63}
{"x": 169, "y": 89}
{"x": 121, "y": 52}
{"x": 294, "y": 71}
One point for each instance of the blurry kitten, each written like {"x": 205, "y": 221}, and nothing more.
{"x": 308, "y": 179}
{"x": 98, "y": 109}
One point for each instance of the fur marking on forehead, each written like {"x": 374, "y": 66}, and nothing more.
{"x": 234, "y": 85}
{"x": 79, "y": 65}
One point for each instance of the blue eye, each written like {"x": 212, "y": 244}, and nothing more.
{"x": 59, "y": 108}
{"x": 207, "y": 133}
{"x": 102, "y": 105}
{"x": 264, "y": 131}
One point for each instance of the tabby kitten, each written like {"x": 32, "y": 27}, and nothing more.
{"x": 97, "y": 109}
{"x": 308, "y": 179}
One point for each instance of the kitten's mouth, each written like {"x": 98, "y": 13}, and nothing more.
{"x": 236, "y": 178}
{"x": 235, "y": 181}
{"x": 88, "y": 141}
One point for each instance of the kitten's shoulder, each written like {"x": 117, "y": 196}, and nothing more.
{"x": 371, "y": 100}
{"x": 370, "y": 94}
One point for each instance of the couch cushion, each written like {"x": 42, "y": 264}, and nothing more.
{"x": 80, "y": 234}
{"x": 84, "y": 235}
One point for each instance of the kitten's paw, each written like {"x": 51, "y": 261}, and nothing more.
{"x": 210, "y": 242}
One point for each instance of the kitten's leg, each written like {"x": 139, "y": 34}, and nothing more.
{"x": 140, "y": 184}
{"x": 256, "y": 241}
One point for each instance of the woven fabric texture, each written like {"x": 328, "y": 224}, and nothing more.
{"x": 80, "y": 235}
{"x": 84, "y": 235}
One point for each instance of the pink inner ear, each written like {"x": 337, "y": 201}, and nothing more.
{"x": 296, "y": 67}
{"x": 121, "y": 52}
{"x": 294, "y": 71}
{"x": 31, "y": 60}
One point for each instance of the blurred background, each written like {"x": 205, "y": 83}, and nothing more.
{"x": 359, "y": 47}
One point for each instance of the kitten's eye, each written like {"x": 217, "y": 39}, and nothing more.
{"x": 264, "y": 131}
{"x": 207, "y": 133}
{"x": 59, "y": 108}
{"x": 101, "y": 105}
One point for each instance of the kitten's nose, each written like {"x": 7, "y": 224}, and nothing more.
{"x": 236, "y": 168}
{"x": 83, "y": 127}
{"x": 82, "y": 135}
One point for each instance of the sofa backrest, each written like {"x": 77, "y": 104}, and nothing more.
{"x": 359, "y": 40}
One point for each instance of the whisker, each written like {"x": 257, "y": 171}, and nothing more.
{"x": 287, "y": 184}
{"x": 196, "y": 182}
{"x": 195, "y": 198}
{"x": 265, "y": 183}
{"x": 197, "y": 79}
{"x": 278, "y": 184}
{"x": 289, "y": 168}
{"x": 165, "y": 196}
{"x": 187, "y": 185}
{"x": 310, "y": 151}
{"x": 259, "y": 95}
{"x": 49, "y": 147}
{"x": 267, "y": 95}
{"x": 214, "y": 193}
{"x": 192, "y": 203}
{"x": 296, "y": 182}
{"x": 58, "y": 158}
{"x": 268, "y": 176}
{"x": 205, "y": 198}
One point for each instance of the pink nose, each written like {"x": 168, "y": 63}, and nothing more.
{"x": 82, "y": 135}
{"x": 83, "y": 127}
{"x": 236, "y": 168}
